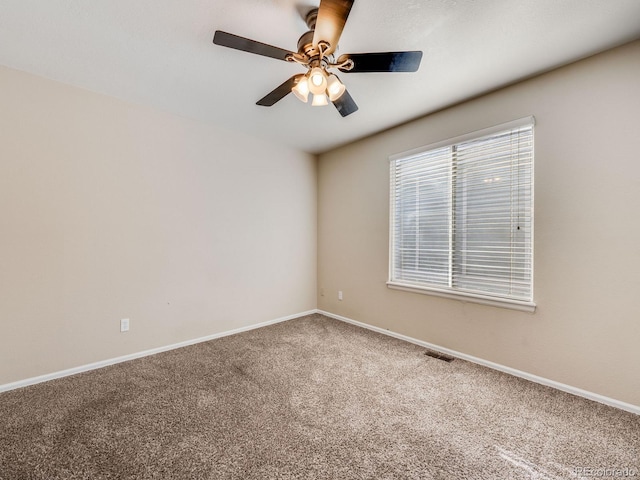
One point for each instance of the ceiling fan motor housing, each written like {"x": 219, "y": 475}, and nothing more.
{"x": 305, "y": 45}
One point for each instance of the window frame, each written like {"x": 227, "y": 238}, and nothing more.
{"x": 451, "y": 292}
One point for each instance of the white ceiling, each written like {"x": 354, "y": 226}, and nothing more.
{"x": 160, "y": 53}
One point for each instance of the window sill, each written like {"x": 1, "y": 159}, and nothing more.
{"x": 522, "y": 306}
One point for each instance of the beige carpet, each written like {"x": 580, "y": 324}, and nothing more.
{"x": 311, "y": 398}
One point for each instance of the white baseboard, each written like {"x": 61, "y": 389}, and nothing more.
{"x": 112, "y": 361}
{"x": 495, "y": 366}
{"x": 511, "y": 371}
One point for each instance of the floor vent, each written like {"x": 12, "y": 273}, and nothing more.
{"x": 439, "y": 356}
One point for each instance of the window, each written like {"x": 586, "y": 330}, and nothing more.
{"x": 462, "y": 217}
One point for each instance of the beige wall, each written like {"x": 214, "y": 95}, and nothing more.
{"x": 586, "y": 330}
{"x": 110, "y": 211}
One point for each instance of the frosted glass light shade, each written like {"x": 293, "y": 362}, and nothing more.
{"x": 335, "y": 88}
{"x": 301, "y": 89}
{"x": 319, "y": 100}
{"x": 317, "y": 81}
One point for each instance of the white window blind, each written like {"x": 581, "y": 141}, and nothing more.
{"x": 461, "y": 215}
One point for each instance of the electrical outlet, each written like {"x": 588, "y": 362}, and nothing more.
{"x": 124, "y": 325}
{"x": 339, "y": 294}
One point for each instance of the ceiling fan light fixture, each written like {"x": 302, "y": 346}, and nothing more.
{"x": 317, "y": 81}
{"x": 319, "y": 100}
{"x": 301, "y": 89}
{"x": 317, "y": 51}
{"x": 335, "y": 88}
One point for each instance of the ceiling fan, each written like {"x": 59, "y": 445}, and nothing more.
{"x": 316, "y": 52}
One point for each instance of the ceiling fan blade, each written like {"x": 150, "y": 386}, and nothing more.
{"x": 332, "y": 15}
{"x": 383, "y": 62}
{"x": 279, "y": 92}
{"x": 345, "y": 104}
{"x": 247, "y": 45}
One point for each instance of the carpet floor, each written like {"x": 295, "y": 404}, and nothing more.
{"x": 310, "y": 398}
